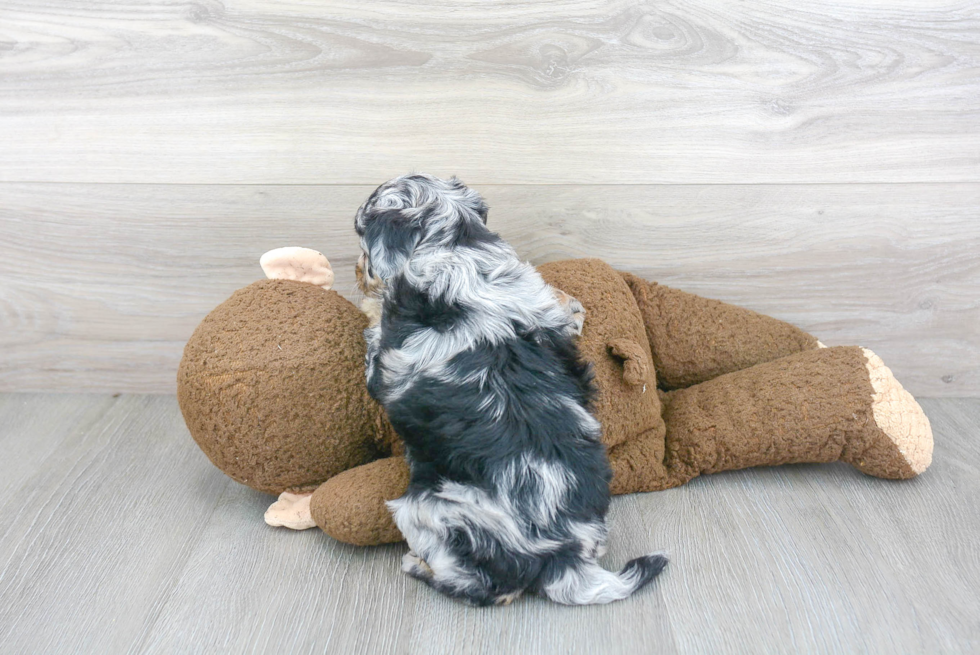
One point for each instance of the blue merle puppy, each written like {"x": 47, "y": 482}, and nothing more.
{"x": 474, "y": 358}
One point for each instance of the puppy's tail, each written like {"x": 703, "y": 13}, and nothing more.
{"x": 587, "y": 583}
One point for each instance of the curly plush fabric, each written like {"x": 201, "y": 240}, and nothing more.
{"x": 265, "y": 387}
{"x": 694, "y": 339}
{"x": 272, "y": 388}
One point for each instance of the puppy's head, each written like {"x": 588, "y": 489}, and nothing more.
{"x": 407, "y": 213}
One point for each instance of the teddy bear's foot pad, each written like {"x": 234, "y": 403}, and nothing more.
{"x": 291, "y": 511}
{"x": 901, "y": 419}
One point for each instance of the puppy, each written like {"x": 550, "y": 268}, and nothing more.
{"x": 473, "y": 357}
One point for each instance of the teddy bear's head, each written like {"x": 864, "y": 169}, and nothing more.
{"x": 272, "y": 387}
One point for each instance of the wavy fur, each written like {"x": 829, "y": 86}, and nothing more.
{"x": 473, "y": 356}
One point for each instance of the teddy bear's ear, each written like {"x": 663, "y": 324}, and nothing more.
{"x": 299, "y": 264}
{"x": 635, "y": 366}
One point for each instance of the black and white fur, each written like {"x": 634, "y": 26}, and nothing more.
{"x": 473, "y": 357}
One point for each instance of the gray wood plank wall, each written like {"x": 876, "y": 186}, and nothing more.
{"x": 817, "y": 162}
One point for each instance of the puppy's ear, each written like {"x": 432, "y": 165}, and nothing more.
{"x": 391, "y": 237}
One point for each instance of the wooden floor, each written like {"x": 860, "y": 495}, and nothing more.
{"x": 118, "y": 536}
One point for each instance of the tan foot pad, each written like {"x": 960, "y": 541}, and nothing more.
{"x": 291, "y": 511}
{"x": 899, "y": 416}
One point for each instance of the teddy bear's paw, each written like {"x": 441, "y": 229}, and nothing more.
{"x": 299, "y": 264}
{"x": 902, "y": 420}
{"x": 291, "y": 511}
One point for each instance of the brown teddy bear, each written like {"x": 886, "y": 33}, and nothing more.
{"x": 272, "y": 388}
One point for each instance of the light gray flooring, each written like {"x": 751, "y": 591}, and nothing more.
{"x": 117, "y": 536}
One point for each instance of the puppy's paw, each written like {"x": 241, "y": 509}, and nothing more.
{"x": 507, "y": 599}
{"x": 415, "y": 566}
{"x": 371, "y": 307}
{"x": 574, "y": 308}
{"x": 578, "y": 315}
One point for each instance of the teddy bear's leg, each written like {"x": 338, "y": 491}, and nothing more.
{"x": 815, "y": 406}
{"x": 350, "y": 507}
{"x": 694, "y": 339}
{"x": 291, "y": 511}
{"x": 638, "y": 464}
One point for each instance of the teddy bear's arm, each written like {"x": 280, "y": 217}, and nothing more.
{"x": 350, "y": 507}
{"x": 694, "y": 339}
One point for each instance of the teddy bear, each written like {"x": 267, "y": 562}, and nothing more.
{"x": 272, "y": 388}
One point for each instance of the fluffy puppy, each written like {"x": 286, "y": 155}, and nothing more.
{"x": 473, "y": 357}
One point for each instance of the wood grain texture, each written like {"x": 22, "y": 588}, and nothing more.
{"x": 119, "y": 536}
{"x": 94, "y": 533}
{"x": 101, "y": 285}
{"x": 262, "y": 91}
{"x": 851, "y": 553}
